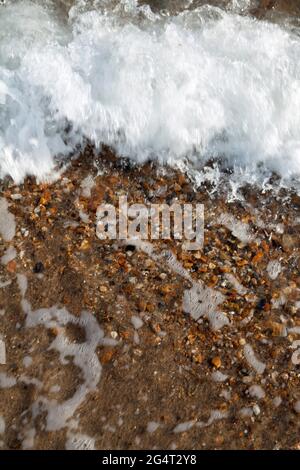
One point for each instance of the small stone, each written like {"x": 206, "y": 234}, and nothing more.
{"x": 85, "y": 245}
{"x": 106, "y": 356}
{"x": 219, "y": 440}
{"x": 296, "y": 357}
{"x": 11, "y": 266}
{"x": 198, "y": 358}
{"x": 257, "y": 257}
{"x": 288, "y": 242}
{"x": 45, "y": 197}
{"x": 38, "y": 267}
{"x": 256, "y": 391}
{"x": 137, "y": 322}
{"x": 114, "y": 334}
{"x": 216, "y": 361}
{"x": 256, "y": 409}
{"x": 103, "y": 289}
{"x": 278, "y": 329}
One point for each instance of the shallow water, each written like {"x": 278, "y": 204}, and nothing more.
{"x": 188, "y": 82}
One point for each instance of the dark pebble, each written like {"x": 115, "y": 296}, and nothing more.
{"x": 38, "y": 268}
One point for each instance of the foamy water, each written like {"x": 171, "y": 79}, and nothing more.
{"x": 204, "y": 83}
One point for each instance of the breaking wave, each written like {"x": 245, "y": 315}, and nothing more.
{"x": 201, "y": 84}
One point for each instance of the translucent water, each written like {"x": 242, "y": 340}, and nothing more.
{"x": 200, "y": 84}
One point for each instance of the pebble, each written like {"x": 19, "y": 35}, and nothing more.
{"x": 256, "y": 391}
{"x": 256, "y": 409}
{"x": 163, "y": 276}
{"x": 137, "y": 322}
{"x": 288, "y": 242}
{"x": 38, "y": 268}
{"x": 216, "y": 361}
{"x": 296, "y": 357}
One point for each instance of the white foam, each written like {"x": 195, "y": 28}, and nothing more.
{"x": 2, "y": 425}
{"x": 252, "y": 360}
{"x": 4, "y": 284}
{"x": 6, "y": 381}
{"x": 87, "y": 185}
{"x": 246, "y": 412}
{"x": 2, "y": 352}
{"x": 242, "y": 290}
{"x": 22, "y": 284}
{"x": 183, "y": 427}
{"x": 199, "y": 301}
{"x": 152, "y": 426}
{"x": 274, "y": 269}
{"x": 238, "y": 228}
{"x": 295, "y": 330}
{"x": 80, "y": 442}
{"x": 84, "y": 357}
{"x": 7, "y": 219}
{"x": 27, "y": 361}
{"x": 9, "y": 255}
{"x": 215, "y": 415}
{"x": 218, "y": 376}
{"x": 28, "y": 438}
{"x": 148, "y": 85}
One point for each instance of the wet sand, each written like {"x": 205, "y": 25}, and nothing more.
{"x": 162, "y": 377}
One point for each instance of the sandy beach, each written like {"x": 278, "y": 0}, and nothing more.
{"x": 157, "y": 377}
{"x": 113, "y": 344}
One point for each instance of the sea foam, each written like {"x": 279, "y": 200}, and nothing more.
{"x": 204, "y": 83}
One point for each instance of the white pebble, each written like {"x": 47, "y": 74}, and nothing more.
{"x": 137, "y": 322}
{"x": 256, "y": 391}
